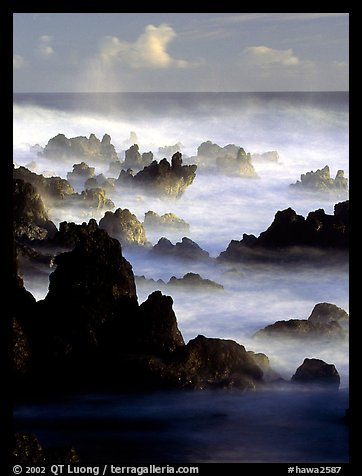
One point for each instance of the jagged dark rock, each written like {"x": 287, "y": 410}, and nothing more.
{"x": 161, "y": 178}
{"x": 81, "y": 147}
{"x": 48, "y": 187}
{"x": 124, "y": 226}
{"x": 134, "y": 159}
{"x": 157, "y": 331}
{"x": 30, "y": 217}
{"x": 317, "y": 372}
{"x": 288, "y": 230}
{"x": 321, "y": 181}
{"x": 195, "y": 281}
{"x": 186, "y": 249}
{"x": 214, "y": 363}
{"x": 165, "y": 222}
{"x": 327, "y": 321}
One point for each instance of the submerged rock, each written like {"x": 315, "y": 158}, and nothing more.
{"x": 195, "y": 281}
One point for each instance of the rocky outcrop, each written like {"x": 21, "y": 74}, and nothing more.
{"x": 214, "y": 363}
{"x": 90, "y": 332}
{"x": 81, "y": 147}
{"x": 48, "y": 187}
{"x": 327, "y": 321}
{"x": 316, "y": 372}
{"x": 240, "y": 166}
{"x": 321, "y": 181}
{"x": 164, "y": 223}
{"x": 288, "y": 230}
{"x": 186, "y": 249}
{"x": 124, "y": 226}
{"x": 157, "y": 332}
{"x": 134, "y": 159}
{"x": 30, "y": 218}
{"x": 229, "y": 160}
{"x": 195, "y": 281}
{"x": 81, "y": 171}
{"x": 161, "y": 178}
{"x": 95, "y": 198}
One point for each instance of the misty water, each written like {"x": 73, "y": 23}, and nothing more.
{"x": 309, "y": 131}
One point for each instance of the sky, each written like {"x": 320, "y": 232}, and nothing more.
{"x": 110, "y": 52}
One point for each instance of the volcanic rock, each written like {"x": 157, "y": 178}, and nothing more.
{"x": 195, "y": 281}
{"x": 124, "y": 226}
{"x": 30, "y": 218}
{"x": 48, "y": 187}
{"x": 321, "y": 181}
{"x": 326, "y": 321}
{"x": 186, "y": 249}
{"x": 317, "y": 372}
{"x": 288, "y": 230}
{"x": 215, "y": 363}
{"x": 161, "y": 178}
{"x": 165, "y": 222}
{"x": 81, "y": 147}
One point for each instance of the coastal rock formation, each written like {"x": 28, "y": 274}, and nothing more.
{"x": 195, "y": 281}
{"x": 124, "y": 226}
{"x": 56, "y": 191}
{"x": 240, "y": 166}
{"x": 157, "y": 332}
{"x": 326, "y": 321}
{"x": 215, "y": 363}
{"x": 186, "y": 249}
{"x": 90, "y": 328}
{"x": 166, "y": 222}
{"x": 321, "y": 181}
{"x": 30, "y": 218}
{"x": 134, "y": 159}
{"x": 228, "y": 160}
{"x": 161, "y": 178}
{"x": 317, "y": 372}
{"x": 81, "y": 171}
{"x": 81, "y": 147}
{"x": 288, "y": 230}
{"x": 48, "y": 187}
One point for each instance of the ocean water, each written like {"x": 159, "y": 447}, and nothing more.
{"x": 309, "y": 131}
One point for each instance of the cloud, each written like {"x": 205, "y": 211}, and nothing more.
{"x": 264, "y": 56}
{"x": 18, "y": 62}
{"x": 45, "y": 48}
{"x": 148, "y": 51}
